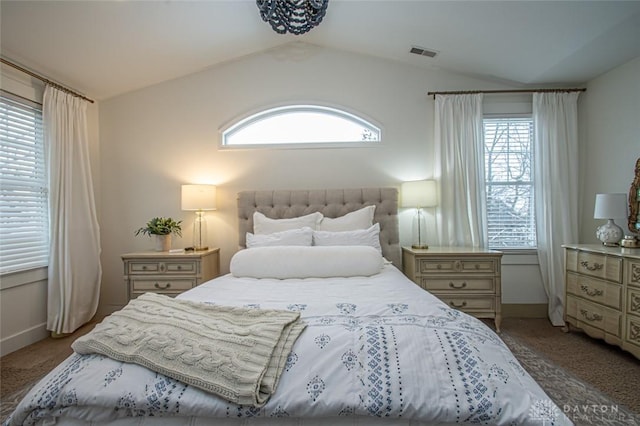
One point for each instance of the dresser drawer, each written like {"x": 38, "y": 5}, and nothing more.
{"x": 458, "y": 284}
{"x": 595, "y": 265}
{"x": 594, "y": 289}
{"x": 632, "y": 333}
{"x": 469, "y": 303}
{"x": 633, "y": 301}
{"x": 159, "y": 285}
{"x": 163, "y": 267}
{"x": 633, "y": 273}
{"x": 597, "y": 316}
{"x": 449, "y": 266}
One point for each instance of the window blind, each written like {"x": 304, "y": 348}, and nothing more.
{"x": 509, "y": 180}
{"x": 24, "y": 218}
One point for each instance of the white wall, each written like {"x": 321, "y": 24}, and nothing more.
{"x": 155, "y": 139}
{"x": 610, "y": 142}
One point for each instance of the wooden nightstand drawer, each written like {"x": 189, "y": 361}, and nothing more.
{"x": 448, "y": 266}
{"x": 170, "y": 267}
{"x": 458, "y": 284}
{"x": 594, "y": 315}
{"x": 142, "y": 285}
{"x": 594, "y": 289}
{"x": 469, "y": 304}
{"x": 595, "y": 265}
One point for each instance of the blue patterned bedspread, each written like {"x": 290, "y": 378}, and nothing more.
{"x": 376, "y": 347}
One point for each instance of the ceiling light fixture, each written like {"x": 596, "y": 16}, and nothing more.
{"x": 293, "y": 16}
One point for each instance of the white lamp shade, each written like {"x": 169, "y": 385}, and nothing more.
{"x": 610, "y": 206}
{"x": 198, "y": 197}
{"x": 420, "y": 193}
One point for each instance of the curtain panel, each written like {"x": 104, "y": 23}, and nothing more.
{"x": 459, "y": 150}
{"x": 74, "y": 260}
{"x": 555, "y": 118}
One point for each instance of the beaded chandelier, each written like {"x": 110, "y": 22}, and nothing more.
{"x": 293, "y": 16}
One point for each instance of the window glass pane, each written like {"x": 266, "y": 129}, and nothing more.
{"x": 509, "y": 180}
{"x": 300, "y": 124}
{"x": 24, "y": 234}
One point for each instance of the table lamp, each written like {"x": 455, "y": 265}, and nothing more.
{"x": 610, "y": 206}
{"x": 419, "y": 194}
{"x": 199, "y": 198}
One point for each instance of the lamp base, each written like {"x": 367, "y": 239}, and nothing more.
{"x": 201, "y": 248}
{"x": 610, "y": 234}
{"x": 419, "y": 246}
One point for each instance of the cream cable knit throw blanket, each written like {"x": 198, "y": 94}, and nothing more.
{"x": 236, "y": 353}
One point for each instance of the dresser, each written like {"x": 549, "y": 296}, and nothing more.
{"x": 602, "y": 287}
{"x": 168, "y": 273}
{"x": 465, "y": 278}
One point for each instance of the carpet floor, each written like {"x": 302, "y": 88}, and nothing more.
{"x": 592, "y": 382}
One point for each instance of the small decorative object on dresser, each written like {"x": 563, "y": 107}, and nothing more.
{"x": 602, "y": 287}
{"x": 465, "y": 278}
{"x": 610, "y": 206}
{"x": 169, "y": 273}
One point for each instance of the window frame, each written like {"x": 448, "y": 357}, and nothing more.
{"x": 507, "y": 116}
{"x": 248, "y": 119}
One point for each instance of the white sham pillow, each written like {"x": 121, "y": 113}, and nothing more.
{"x": 292, "y": 237}
{"x": 361, "y": 237}
{"x": 264, "y": 225}
{"x": 306, "y": 262}
{"x": 359, "y": 219}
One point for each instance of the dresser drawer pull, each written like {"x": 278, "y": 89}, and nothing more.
{"x": 588, "y": 317}
{"x": 595, "y": 267}
{"x": 144, "y": 267}
{"x": 439, "y": 266}
{"x": 179, "y": 267}
{"x": 162, "y": 267}
{"x": 454, "y": 305}
{"x": 592, "y": 293}
{"x": 166, "y": 286}
{"x": 462, "y": 285}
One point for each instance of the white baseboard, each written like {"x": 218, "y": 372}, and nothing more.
{"x": 23, "y": 338}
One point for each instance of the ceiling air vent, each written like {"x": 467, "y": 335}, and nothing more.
{"x": 423, "y": 52}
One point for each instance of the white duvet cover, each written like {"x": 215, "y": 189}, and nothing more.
{"x": 377, "y": 350}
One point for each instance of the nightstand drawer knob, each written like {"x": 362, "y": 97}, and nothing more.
{"x": 453, "y": 285}
{"x": 179, "y": 267}
{"x": 166, "y": 286}
{"x": 455, "y": 305}
{"x": 596, "y": 266}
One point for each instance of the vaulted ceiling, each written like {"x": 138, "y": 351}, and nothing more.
{"x": 106, "y": 48}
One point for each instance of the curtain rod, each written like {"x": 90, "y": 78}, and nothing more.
{"x": 469, "y": 92}
{"x": 45, "y": 80}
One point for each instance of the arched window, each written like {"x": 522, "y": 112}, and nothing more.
{"x": 301, "y": 125}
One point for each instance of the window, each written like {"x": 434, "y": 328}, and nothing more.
{"x": 508, "y": 150}
{"x": 300, "y": 125}
{"x": 24, "y": 222}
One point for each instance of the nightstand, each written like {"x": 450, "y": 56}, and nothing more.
{"x": 169, "y": 273}
{"x": 465, "y": 278}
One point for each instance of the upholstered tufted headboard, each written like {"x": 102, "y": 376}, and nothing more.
{"x": 284, "y": 204}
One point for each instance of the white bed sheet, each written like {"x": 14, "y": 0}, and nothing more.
{"x": 377, "y": 350}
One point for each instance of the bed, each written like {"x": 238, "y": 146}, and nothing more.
{"x": 375, "y": 349}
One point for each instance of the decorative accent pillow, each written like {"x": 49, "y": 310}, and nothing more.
{"x": 359, "y": 219}
{"x": 292, "y": 237}
{"x": 264, "y": 225}
{"x": 361, "y": 237}
{"x": 306, "y": 262}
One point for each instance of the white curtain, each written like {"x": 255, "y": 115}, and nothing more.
{"x": 74, "y": 263}
{"x": 460, "y": 170}
{"x": 556, "y": 189}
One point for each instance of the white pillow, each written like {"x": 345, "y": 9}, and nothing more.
{"x": 292, "y": 237}
{"x": 265, "y": 225}
{"x": 306, "y": 262}
{"x": 359, "y": 219}
{"x": 361, "y": 237}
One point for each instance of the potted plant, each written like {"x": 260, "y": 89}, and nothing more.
{"x": 162, "y": 228}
